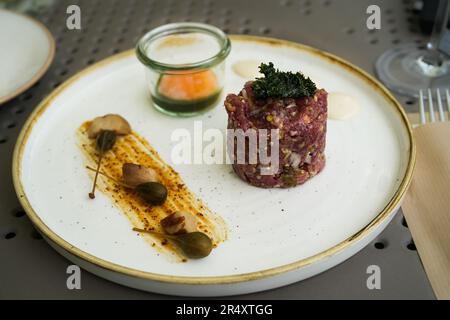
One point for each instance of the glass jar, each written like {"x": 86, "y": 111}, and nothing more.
{"x": 185, "y": 66}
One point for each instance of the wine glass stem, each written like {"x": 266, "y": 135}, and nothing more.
{"x": 433, "y": 57}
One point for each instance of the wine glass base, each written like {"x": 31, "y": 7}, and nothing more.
{"x": 403, "y": 70}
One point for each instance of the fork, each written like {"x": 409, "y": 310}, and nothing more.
{"x": 431, "y": 111}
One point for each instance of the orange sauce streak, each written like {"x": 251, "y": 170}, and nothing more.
{"x": 135, "y": 149}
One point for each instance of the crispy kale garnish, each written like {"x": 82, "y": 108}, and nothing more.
{"x": 278, "y": 84}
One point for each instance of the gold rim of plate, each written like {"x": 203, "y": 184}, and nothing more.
{"x": 45, "y": 66}
{"x": 214, "y": 280}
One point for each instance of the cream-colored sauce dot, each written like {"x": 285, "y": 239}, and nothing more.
{"x": 247, "y": 69}
{"x": 342, "y": 106}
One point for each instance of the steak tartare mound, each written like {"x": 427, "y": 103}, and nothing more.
{"x": 274, "y": 102}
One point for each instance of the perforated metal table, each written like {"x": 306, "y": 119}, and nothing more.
{"x": 29, "y": 268}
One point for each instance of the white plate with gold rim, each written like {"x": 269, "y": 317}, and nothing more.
{"x": 276, "y": 237}
{"x": 27, "y": 50}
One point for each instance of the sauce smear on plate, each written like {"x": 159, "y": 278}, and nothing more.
{"x": 134, "y": 149}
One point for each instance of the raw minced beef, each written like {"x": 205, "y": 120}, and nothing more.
{"x": 302, "y": 125}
